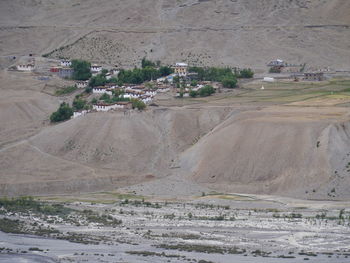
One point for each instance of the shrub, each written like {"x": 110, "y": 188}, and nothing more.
{"x": 79, "y": 104}
{"x": 275, "y": 70}
{"x": 193, "y": 93}
{"x": 63, "y": 113}
{"x": 194, "y": 83}
{"x": 207, "y": 90}
{"x": 246, "y": 73}
{"x": 138, "y": 104}
{"x": 229, "y": 82}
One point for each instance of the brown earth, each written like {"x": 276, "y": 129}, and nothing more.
{"x": 237, "y": 141}
{"x": 241, "y": 33}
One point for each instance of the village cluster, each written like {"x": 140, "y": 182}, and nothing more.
{"x": 124, "y": 94}
{"x": 144, "y": 93}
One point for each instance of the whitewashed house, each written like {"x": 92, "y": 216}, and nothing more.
{"x": 66, "y": 63}
{"x": 111, "y": 85}
{"x": 26, "y": 67}
{"x": 133, "y": 94}
{"x": 113, "y": 106}
{"x": 108, "y": 76}
{"x": 77, "y": 114}
{"x": 115, "y": 71}
{"x": 146, "y": 99}
{"x": 163, "y": 89}
{"x": 150, "y": 92}
{"x": 102, "y": 90}
{"x": 268, "y": 79}
{"x": 81, "y": 84}
{"x": 96, "y": 69}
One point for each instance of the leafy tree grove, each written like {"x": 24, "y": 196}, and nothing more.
{"x": 81, "y": 69}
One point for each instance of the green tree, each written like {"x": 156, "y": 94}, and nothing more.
{"x": 63, "y": 113}
{"x": 147, "y": 63}
{"x": 194, "y": 83}
{"x": 165, "y": 71}
{"x": 81, "y": 69}
{"x": 207, "y": 90}
{"x": 138, "y": 104}
{"x": 176, "y": 80}
{"x": 105, "y": 97}
{"x": 79, "y": 104}
{"x": 246, "y": 73}
{"x": 98, "y": 80}
{"x": 193, "y": 93}
{"x": 229, "y": 82}
{"x": 88, "y": 89}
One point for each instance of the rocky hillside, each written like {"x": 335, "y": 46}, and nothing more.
{"x": 221, "y": 32}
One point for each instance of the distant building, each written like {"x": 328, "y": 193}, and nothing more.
{"x": 268, "y": 79}
{"x": 26, "y": 67}
{"x": 79, "y": 113}
{"x": 101, "y": 106}
{"x": 314, "y": 76}
{"x": 65, "y": 72}
{"x": 277, "y": 63}
{"x": 66, "y": 63}
{"x": 81, "y": 84}
{"x": 192, "y": 76}
{"x": 111, "y": 85}
{"x": 96, "y": 68}
{"x": 115, "y": 71}
{"x": 102, "y": 90}
{"x": 181, "y": 69}
{"x": 55, "y": 69}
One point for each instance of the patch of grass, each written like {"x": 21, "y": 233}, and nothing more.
{"x": 65, "y": 90}
{"x": 28, "y": 204}
{"x": 11, "y": 226}
{"x": 152, "y": 254}
{"x": 105, "y": 220}
{"x": 203, "y": 249}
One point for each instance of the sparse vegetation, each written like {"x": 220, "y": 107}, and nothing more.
{"x": 65, "y": 91}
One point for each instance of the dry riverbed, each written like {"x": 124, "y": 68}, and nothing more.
{"x": 216, "y": 228}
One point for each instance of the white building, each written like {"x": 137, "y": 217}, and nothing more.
{"x": 163, "y": 89}
{"x": 111, "y": 85}
{"x": 108, "y": 76}
{"x": 96, "y": 68}
{"x": 115, "y": 71}
{"x": 81, "y": 84}
{"x": 276, "y": 63}
{"x": 27, "y": 67}
{"x": 102, "y": 90}
{"x": 146, "y": 99}
{"x": 181, "y": 69}
{"x": 268, "y": 79}
{"x": 133, "y": 94}
{"x": 113, "y": 106}
{"x": 66, "y": 63}
{"x": 77, "y": 114}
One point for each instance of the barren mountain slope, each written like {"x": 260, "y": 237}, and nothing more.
{"x": 23, "y": 107}
{"x": 296, "y": 152}
{"x": 103, "y": 150}
{"x": 221, "y": 32}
